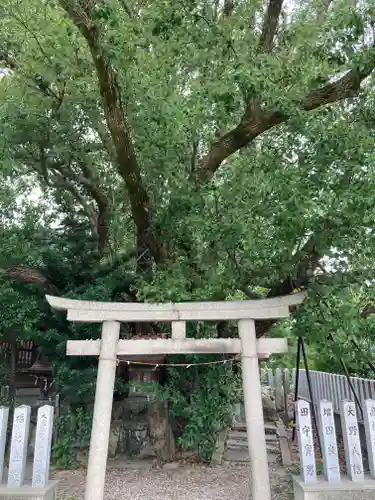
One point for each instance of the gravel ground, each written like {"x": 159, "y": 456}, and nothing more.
{"x": 188, "y": 482}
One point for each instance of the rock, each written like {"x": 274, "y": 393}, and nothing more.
{"x": 118, "y": 410}
{"x": 161, "y": 436}
{"x": 279, "y": 397}
{"x": 268, "y": 391}
{"x": 114, "y": 438}
{"x": 135, "y": 441}
{"x": 217, "y": 456}
{"x": 269, "y": 408}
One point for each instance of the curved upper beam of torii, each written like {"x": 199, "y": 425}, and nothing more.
{"x": 98, "y": 312}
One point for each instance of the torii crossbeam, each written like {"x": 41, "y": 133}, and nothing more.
{"x": 109, "y": 347}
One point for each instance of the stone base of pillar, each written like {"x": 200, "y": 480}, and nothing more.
{"x": 343, "y": 490}
{"x": 26, "y": 492}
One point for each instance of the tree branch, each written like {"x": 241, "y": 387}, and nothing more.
{"x": 270, "y": 22}
{"x": 31, "y": 32}
{"x": 246, "y": 131}
{"x": 101, "y": 223}
{"x": 104, "y": 135}
{"x": 303, "y": 267}
{"x": 256, "y": 121}
{"x": 306, "y": 264}
{"x": 39, "y": 83}
{"x": 29, "y": 276}
{"x": 118, "y": 124}
{"x": 71, "y": 180}
{"x": 72, "y": 188}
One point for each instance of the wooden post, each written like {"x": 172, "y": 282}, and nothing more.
{"x": 102, "y": 411}
{"x": 260, "y": 482}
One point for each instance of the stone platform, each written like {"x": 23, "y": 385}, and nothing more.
{"x": 26, "y": 492}
{"x": 343, "y": 490}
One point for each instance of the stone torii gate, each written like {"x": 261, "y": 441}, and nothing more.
{"x": 110, "y": 346}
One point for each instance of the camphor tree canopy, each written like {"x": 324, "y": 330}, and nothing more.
{"x": 198, "y": 150}
{"x": 230, "y": 144}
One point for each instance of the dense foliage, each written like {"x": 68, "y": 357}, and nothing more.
{"x": 168, "y": 151}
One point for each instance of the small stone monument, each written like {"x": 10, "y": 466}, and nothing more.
{"x": 305, "y": 441}
{"x": 18, "y": 447}
{"x": 352, "y": 443}
{"x": 369, "y": 421}
{"x": 42, "y": 451}
{"x": 354, "y": 485}
{"x": 4, "y": 415}
{"x": 17, "y": 488}
{"x": 329, "y": 443}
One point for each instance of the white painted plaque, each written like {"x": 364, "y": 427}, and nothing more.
{"x": 43, "y": 443}
{"x": 329, "y": 442}
{"x": 369, "y": 421}
{"x": 305, "y": 441}
{"x": 352, "y": 443}
{"x": 4, "y": 415}
{"x": 18, "y": 446}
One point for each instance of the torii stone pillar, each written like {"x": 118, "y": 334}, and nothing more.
{"x": 110, "y": 347}
{"x": 101, "y": 422}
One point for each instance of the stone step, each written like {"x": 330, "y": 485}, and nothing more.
{"x": 272, "y": 439}
{"x": 269, "y": 428}
{"x": 238, "y": 435}
{"x": 243, "y": 434}
{"x": 243, "y": 442}
{"x": 237, "y": 449}
{"x": 241, "y": 457}
{"x": 242, "y": 437}
{"x": 272, "y": 451}
{"x": 235, "y": 444}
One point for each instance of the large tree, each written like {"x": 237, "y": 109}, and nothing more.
{"x": 236, "y": 137}
{"x": 163, "y": 150}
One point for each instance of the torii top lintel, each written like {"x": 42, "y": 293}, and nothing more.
{"x": 98, "y": 312}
